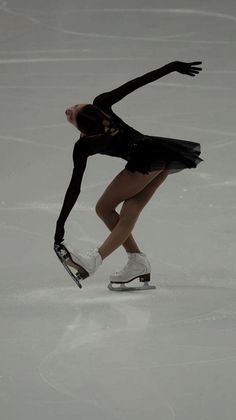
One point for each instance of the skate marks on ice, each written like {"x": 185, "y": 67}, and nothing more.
{"x": 37, "y": 18}
{"x": 120, "y": 333}
{"x": 165, "y": 38}
{"x": 80, "y": 368}
{"x": 100, "y": 353}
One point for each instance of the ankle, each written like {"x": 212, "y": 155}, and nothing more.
{"x": 133, "y": 254}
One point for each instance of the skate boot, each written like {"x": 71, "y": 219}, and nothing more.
{"x": 86, "y": 265}
{"x": 138, "y": 266}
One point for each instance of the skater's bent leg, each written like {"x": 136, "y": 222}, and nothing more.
{"x": 124, "y": 186}
{"x": 128, "y": 217}
{"x": 111, "y": 218}
{"x": 129, "y": 214}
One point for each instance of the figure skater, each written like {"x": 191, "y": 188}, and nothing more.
{"x": 150, "y": 159}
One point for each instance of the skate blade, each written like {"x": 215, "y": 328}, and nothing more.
{"x": 124, "y": 288}
{"x": 62, "y": 253}
{"x": 80, "y": 271}
{"x": 76, "y": 277}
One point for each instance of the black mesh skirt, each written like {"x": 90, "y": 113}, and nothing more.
{"x": 150, "y": 153}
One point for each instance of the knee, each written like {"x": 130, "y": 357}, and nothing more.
{"x": 131, "y": 209}
{"x": 99, "y": 208}
{"x": 102, "y": 210}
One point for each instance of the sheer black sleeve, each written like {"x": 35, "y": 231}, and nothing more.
{"x": 107, "y": 99}
{"x": 80, "y": 161}
{"x": 85, "y": 147}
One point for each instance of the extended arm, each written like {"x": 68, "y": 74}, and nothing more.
{"x": 71, "y": 196}
{"x": 107, "y": 99}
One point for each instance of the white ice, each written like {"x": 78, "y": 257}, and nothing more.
{"x": 164, "y": 354}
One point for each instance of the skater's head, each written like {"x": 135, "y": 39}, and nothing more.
{"x": 87, "y": 118}
{"x": 72, "y": 111}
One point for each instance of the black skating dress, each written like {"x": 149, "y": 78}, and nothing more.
{"x": 142, "y": 152}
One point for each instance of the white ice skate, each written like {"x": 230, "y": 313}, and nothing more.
{"x": 138, "y": 266}
{"x": 86, "y": 265}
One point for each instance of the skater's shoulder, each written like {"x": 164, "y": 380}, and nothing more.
{"x": 102, "y": 101}
{"x": 81, "y": 145}
{"x": 79, "y": 149}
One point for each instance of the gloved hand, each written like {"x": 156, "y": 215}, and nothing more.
{"x": 188, "y": 68}
{"x": 59, "y": 234}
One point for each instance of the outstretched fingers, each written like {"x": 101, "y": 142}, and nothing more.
{"x": 193, "y": 66}
{"x": 194, "y": 70}
{"x": 195, "y": 62}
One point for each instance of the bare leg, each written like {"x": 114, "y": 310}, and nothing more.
{"x": 128, "y": 216}
{"x": 111, "y": 219}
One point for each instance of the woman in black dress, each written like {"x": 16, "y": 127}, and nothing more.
{"x": 150, "y": 159}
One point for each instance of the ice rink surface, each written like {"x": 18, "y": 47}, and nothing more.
{"x": 165, "y": 354}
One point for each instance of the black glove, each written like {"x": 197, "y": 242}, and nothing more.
{"x": 59, "y": 234}
{"x": 188, "y": 68}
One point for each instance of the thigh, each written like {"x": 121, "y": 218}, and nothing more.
{"x": 143, "y": 197}
{"x": 124, "y": 186}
